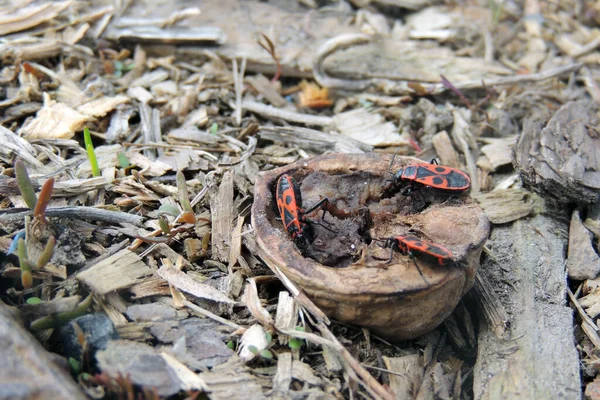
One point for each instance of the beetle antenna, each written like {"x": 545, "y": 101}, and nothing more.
{"x": 392, "y": 162}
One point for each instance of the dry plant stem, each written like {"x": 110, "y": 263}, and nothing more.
{"x": 89, "y": 213}
{"x": 272, "y": 112}
{"x": 580, "y": 310}
{"x": 184, "y": 198}
{"x": 210, "y": 315}
{"x": 238, "y": 81}
{"x": 391, "y": 86}
{"x": 492, "y": 308}
{"x": 355, "y": 365}
{"x": 370, "y": 382}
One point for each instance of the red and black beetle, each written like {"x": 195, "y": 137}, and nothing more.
{"x": 413, "y": 247}
{"x": 432, "y": 175}
{"x": 289, "y": 204}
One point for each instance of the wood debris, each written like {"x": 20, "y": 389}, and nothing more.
{"x": 582, "y": 262}
{"x": 55, "y": 121}
{"x": 118, "y": 271}
{"x": 167, "y": 88}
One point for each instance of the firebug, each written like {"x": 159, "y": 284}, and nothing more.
{"x": 413, "y": 247}
{"x": 432, "y": 175}
{"x": 289, "y": 204}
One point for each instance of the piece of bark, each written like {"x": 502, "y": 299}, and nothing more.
{"x": 54, "y": 121}
{"x": 445, "y": 150}
{"x": 221, "y": 211}
{"x": 505, "y": 205}
{"x": 193, "y": 249}
{"x": 183, "y": 282}
{"x": 368, "y": 127}
{"x": 499, "y": 151}
{"x": 23, "y": 18}
{"x": 560, "y": 159}
{"x": 310, "y": 139}
{"x": 539, "y": 360}
{"x": 28, "y": 370}
{"x": 283, "y": 376}
{"x": 287, "y": 315}
{"x": 492, "y": 308}
{"x": 119, "y": 271}
{"x": 267, "y": 89}
{"x": 409, "y": 374}
{"x": 233, "y": 380}
{"x": 583, "y": 262}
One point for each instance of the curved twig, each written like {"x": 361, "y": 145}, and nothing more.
{"x": 392, "y": 86}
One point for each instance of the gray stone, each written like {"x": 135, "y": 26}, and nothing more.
{"x": 144, "y": 365}
{"x": 98, "y": 330}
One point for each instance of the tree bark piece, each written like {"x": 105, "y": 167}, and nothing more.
{"x": 583, "y": 262}
{"x": 221, "y": 211}
{"x": 560, "y": 159}
{"x": 28, "y": 371}
{"x": 540, "y": 360}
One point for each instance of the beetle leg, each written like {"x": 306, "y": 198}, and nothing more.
{"x": 412, "y": 257}
{"x": 323, "y": 204}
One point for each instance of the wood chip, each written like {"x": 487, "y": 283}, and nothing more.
{"x": 506, "y": 205}
{"x": 445, "y": 150}
{"x": 287, "y": 315}
{"x": 367, "y": 127}
{"x": 267, "y": 89}
{"x": 283, "y": 376}
{"x": 187, "y": 378}
{"x": 31, "y": 16}
{"x": 152, "y": 286}
{"x": 254, "y": 336}
{"x": 493, "y": 310}
{"x": 102, "y": 106}
{"x": 186, "y": 284}
{"x": 54, "y": 121}
{"x": 499, "y": 151}
{"x": 253, "y": 303}
{"x": 409, "y": 375}
{"x": 583, "y": 262}
{"x": 221, "y": 212}
{"x": 119, "y": 271}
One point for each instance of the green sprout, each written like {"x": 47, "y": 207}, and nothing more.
{"x": 89, "y": 147}
{"x": 184, "y": 199}
{"x": 25, "y": 185}
{"x": 27, "y": 266}
{"x": 164, "y": 225}
{"x": 59, "y": 319}
{"x": 295, "y": 343}
{"x": 38, "y": 205}
{"x": 168, "y": 209}
{"x": 26, "y": 275}
{"x": 123, "y": 160}
{"x": 33, "y": 301}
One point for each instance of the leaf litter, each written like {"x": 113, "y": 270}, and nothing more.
{"x": 454, "y": 84}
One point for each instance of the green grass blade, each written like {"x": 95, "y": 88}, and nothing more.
{"x": 89, "y": 147}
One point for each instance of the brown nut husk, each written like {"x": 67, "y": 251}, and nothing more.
{"x": 358, "y": 285}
